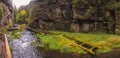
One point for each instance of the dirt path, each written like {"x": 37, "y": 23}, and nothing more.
{"x": 113, "y": 54}
{"x": 55, "y": 54}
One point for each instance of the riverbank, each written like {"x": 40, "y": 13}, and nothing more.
{"x": 115, "y": 53}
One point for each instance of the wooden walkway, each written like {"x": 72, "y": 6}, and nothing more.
{"x": 4, "y": 47}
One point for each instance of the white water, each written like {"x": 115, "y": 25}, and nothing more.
{"x": 22, "y": 47}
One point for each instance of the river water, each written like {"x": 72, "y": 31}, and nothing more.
{"x": 22, "y": 47}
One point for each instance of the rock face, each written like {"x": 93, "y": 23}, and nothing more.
{"x": 64, "y": 15}
{"x": 118, "y": 24}
{"x": 7, "y": 11}
{"x": 50, "y": 15}
{"x": 60, "y": 15}
{"x": 8, "y": 3}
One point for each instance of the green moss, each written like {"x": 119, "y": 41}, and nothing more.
{"x": 105, "y": 42}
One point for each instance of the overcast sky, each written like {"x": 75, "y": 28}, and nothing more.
{"x": 19, "y": 3}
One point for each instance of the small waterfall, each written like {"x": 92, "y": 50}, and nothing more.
{"x": 22, "y": 47}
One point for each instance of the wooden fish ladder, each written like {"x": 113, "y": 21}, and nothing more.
{"x": 4, "y": 47}
{"x": 90, "y": 48}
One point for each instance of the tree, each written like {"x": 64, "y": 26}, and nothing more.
{"x": 21, "y": 17}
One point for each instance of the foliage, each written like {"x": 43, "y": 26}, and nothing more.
{"x": 10, "y": 24}
{"x": 22, "y": 27}
{"x": 14, "y": 34}
{"x": 21, "y": 17}
{"x": 23, "y": 12}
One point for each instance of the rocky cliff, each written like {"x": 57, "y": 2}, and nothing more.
{"x": 74, "y": 15}
{"x": 6, "y": 10}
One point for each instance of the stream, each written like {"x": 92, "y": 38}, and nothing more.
{"x": 22, "y": 47}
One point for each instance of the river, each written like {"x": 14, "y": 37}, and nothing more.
{"x": 22, "y": 47}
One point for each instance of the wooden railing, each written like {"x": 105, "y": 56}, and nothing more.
{"x": 7, "y": 48}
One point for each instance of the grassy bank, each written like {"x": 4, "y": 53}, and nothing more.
{"x": 103, "y": 42}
